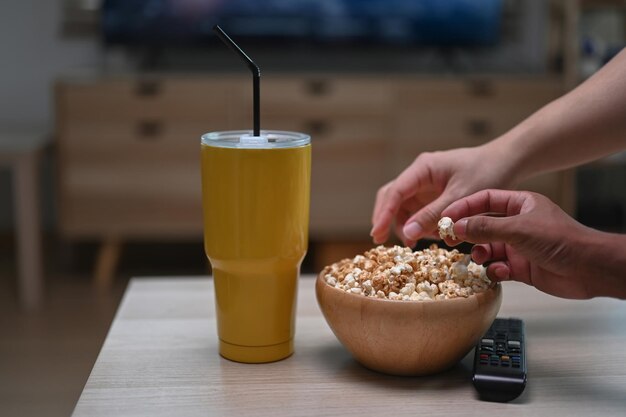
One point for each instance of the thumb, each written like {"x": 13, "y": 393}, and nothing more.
{"x": 486, "y": 229}
{"x": 425, "y": 220}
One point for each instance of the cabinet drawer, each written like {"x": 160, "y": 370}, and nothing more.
{"x": 439, "y": 115}
{"x": 189, "y": 100}
{"x": 326, "y": 96}
{"x": 344, "y": 179}
{"x": 129, "y": 182}
{"x": 127, "y": 145}
{"x": 349, "y": 163}
{"x": 109, "y": 199}
{"x": 111, "y": 101}
{"x": 477, "y": 93}
{"x": 434, "y": 130}
{"x": 325, "y": 129}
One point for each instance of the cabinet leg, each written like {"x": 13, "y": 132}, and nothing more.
{"x": 28, "y": 231}
{"x": 106, "y": 264}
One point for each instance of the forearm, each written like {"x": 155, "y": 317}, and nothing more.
{"x": 584, "y": 125}
{"x": 604, "y": 258}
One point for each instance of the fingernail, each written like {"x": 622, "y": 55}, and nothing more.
{"x": 479, "y": 254}
{"x": 412, "y": 231}
{"x": 372, "y": 231}
{"x": 501, "y": 273}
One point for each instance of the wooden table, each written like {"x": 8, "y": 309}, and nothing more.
{"x": 20, "y": 150}
{"x": 160, "y": 359}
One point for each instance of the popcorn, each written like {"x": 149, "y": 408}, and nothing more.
{"x": 398, "y": 273}
{"x": 446, "y": 228}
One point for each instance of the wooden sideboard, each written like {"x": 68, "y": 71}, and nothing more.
{"x": 128, "y": 147}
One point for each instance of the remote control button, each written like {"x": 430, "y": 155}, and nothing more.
{"x": 487, "y": 342}
{"x": 514, "y": 343}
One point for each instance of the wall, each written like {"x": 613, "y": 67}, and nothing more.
{"x": 33, "y": 54}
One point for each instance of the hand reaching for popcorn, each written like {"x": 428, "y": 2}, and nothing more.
{"x": 539, "y": 244}
{"x": 414, "y": 200}
{"x": 592, "y": 113}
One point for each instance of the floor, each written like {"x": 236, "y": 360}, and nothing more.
{"x": 46, "y": 356}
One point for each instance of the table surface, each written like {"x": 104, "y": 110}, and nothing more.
{"x": 160, "y": 358}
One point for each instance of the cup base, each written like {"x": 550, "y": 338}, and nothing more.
{"x": 256, "y": 354}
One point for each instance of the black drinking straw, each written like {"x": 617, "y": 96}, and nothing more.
{"x": 256, "y": 75}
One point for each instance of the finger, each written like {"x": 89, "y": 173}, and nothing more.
{"x": 499, "y": 271}
{"x": 506, "y": 265}
{"x": 409, "y": 243}
{"x": 487, "y": 201}
{"x": 416, "y": 178}
{"x": 481, "y": 253}
{"x": 489, "y": 252}
{"x": 486, "y": 229}
{"x": 425, "y": 220}
{"x": 380, "y": 198}
{"x": 390, "y": 202}
{"x": 401, "y": 218}
{"x": 381, "y": 223}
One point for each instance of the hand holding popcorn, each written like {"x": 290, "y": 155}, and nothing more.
{"x": 537, "y": 243}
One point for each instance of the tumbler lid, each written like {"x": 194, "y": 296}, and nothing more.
{"x": 244, "y": 139}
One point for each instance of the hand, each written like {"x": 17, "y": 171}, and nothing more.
{"x": 415, "y": 199}
{"x": 536, "y": 243}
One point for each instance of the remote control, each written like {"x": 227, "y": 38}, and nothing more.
{"x": 500, "y": 361}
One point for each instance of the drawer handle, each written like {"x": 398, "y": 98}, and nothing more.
{"x": 479, "y": 128}
{"x": 317, "y": 128}
{"x": 318, "y": 87}
{"x": 148, "y": 88}
{"x": 481, "y": 88}
{"x": 149, "y": 129}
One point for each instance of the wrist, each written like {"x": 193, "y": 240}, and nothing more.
{"x": 526, "y": 147}
{"x": 605, "y": 254}
{"x": 507, "y": 159}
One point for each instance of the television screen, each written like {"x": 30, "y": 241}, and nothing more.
{"x": 402, "y": 22}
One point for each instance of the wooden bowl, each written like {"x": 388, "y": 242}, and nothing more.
{"x": 407, "y": 337}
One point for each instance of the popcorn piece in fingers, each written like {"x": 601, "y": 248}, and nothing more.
{"x": 446, "y": 228}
